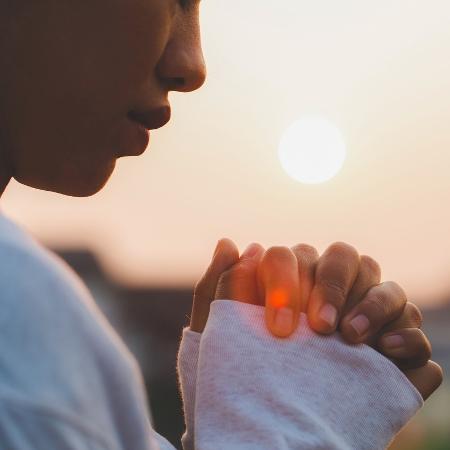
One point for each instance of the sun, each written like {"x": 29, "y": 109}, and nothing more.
{"x": 312, "y": 150}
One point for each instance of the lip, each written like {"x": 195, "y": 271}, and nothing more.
{"x": 141, "y": 140}
{"x": 143, "y": 122}
{"x": 151, "y": 119}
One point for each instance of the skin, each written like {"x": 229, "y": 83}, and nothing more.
{"x": 307, "y": 282}
{"x": 65, "y": 100}
{"x": 71, "y": 73}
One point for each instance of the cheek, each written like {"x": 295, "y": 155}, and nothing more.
{"x": 63, "y": 160}
{"x": 89, "y": 60}
{"x": 67, "y": 98}
{"x": 145, "y": 30}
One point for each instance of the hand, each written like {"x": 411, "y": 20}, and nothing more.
{"x": 289, "y": 281}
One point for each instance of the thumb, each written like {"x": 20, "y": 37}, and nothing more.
{"x": 240, "y": 281}
{"x": 225, "y": 255}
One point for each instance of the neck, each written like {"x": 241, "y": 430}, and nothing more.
{"x": 5, "y": 178}
{"x": 5, "y": 167}
{"x": 5, "y": 173}
{"x": 3, "y": 184}
{"x": 5, "y": 22}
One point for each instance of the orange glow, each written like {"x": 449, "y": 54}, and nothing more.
{"x": 278, "y": 298}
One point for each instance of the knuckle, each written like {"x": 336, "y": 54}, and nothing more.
{"x": 335, "y": 287}
{"x": 371, "y": 265}
{"x": 306, "y": 250}
{"x": 386, "y": 301}
{"x": 277, "y": 251}
{"x": 227, "y": 283}
{"x": 422, "y": 347}
{"x": 236, "y": 283}
{"x": 342, "y": 249}
{"x": 227, "y": 277}
{"x": 414, "y": 314}
{"x": 278, "y": 254}
{"x": 395, "y": 290}
{"x": 376, "y": 304}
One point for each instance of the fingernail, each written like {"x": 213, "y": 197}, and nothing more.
{"x": 360, "y": 324}
{"x": 393, "y": 341}
{"x": 328, "y": 314}
{"x": 251, "y": 251}
{"x": 283, "y": 321}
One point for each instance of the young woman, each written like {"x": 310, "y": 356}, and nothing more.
{"x": 81, "y": 83}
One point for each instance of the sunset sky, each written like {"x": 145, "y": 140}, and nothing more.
{"x": 380, "y": 70}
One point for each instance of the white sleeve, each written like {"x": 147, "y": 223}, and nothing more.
{"x": 254, "y": 391}
{"x": 187, "y": 373}
{"x": 160, "y": 442}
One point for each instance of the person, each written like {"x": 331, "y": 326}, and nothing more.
{"x": 80, "y": 85}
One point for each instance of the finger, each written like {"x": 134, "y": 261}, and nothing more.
{"x": 278, "y": 273}
{"x": 307, "y": 258}
{"x": 239, "y": 282}
{"x": 382, "y": 304}
{"x": 410, "y": 318}
{"x": 369, "y": 275}
{"x": 409, "y": 348}
{"x": 225, "y": 255}
{"x": 336, "y": 272}
{"x": 426, "y": 379}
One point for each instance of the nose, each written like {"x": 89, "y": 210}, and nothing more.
{"x": 182, "y": 65}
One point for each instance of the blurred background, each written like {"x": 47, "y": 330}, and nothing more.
{"x": 380, "y": 71}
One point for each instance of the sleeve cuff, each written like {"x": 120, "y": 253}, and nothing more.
{"x": 187, "y": 373}
{"x": 351, "y": 396}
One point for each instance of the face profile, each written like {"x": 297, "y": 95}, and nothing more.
{"x": 72, "y": 105}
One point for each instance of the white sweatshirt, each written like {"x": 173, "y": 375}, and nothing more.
{"x": 67, "y": 382}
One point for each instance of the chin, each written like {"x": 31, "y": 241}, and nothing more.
{"x": 80, "y": 183}
{"x": 79, "y": 189}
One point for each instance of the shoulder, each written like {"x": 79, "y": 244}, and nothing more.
{"x": 51, "y": 331}
{"x": 35, "y": 283}
{"x": 42, "y": 300}
{"x": 26, "y": 265}
{"x": 56, "y": 347}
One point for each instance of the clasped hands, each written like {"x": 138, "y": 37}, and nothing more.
{"x": 339, "y": 290}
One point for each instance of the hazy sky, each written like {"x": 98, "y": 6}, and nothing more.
{"x": 380, "y": 70}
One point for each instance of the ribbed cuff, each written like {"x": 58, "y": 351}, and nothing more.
{"x": 352, "y": 394}
{"x": 187, "y": 374}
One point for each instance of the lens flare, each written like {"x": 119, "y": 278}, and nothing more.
{"x": 278, "y": 298}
